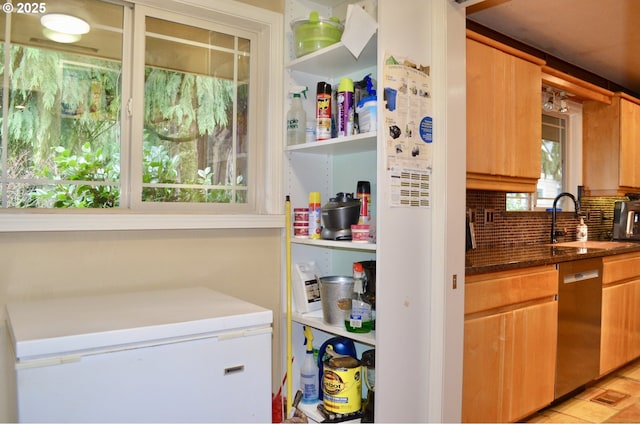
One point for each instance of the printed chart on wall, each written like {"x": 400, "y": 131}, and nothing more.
{"x": 408, "y": 132}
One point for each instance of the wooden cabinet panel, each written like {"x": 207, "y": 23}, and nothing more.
{"x": 613, "y": 338}
{"x": 483, "y": 386}
{"x": 620, "y": 337}
{"x": 509, "y": 363}
{"x": 629, "y": 148}
{"x": 498, "y": 289}
{"x": 610, "y": 148}
{"x": 510, "y": 336}
{"x": 620, "y": 267}
{"x": 503, "y": 118}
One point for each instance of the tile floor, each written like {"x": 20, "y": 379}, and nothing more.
{"x": 613, "y": 399}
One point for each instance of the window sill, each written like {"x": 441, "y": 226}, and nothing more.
{"x": 23, "y": 222}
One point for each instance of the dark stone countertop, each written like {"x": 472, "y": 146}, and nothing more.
{"x": 479, "y": 261}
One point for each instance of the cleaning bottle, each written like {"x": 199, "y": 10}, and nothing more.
{"x": 358, "y": 319}
{"x": 581, "y": 230}
{"x": 297, "y": 117}
{"x": 309, "y": 371}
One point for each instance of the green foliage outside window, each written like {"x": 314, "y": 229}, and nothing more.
{"x": 63, "y": 124}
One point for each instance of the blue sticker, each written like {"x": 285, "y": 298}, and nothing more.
{"x": 426, "y": 129}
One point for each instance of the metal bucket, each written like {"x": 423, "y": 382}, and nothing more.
{"x": 332, "y": 289}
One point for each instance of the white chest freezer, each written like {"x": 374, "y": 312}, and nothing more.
{"x": 182, "y": 355}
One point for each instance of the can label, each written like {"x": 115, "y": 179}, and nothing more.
{"x": 323, "y": 117}
{"x": 345, "y": 113}
{"x": 315, "y": 219}
{"x": 342, "y": 389}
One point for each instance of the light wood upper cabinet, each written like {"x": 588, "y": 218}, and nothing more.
{"x": 503, "y": 116}
{"x": 510, "y": 335}
{"x": 610, "y": 146}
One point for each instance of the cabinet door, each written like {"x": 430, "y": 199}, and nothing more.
{"x": 534, "y": 358}
{"x": 614, "y": 341}
{"x": 634, "y": 319}
{"x": 503, "y": 118}
{"x": 629, "y": 147}
{"x": 509, "y": 363}
{"x": 484, "y": 358}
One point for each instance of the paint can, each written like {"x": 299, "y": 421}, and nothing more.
{"x": 342, "y": 385}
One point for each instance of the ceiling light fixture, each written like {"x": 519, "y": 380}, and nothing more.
{"x": 563, "y": 103}
{"x": 60, "y": 37}
{"x": 63, "y": 28}
{"x": 550, "y": 103}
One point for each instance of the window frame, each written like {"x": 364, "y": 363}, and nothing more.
{"x": 263, "y": 26}
{"x": 572, "y": 166}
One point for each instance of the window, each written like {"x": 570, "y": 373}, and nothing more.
{"x": 553, "y": 176}
{"x": 163, "y": 119}
{"x": 61, "y": 107}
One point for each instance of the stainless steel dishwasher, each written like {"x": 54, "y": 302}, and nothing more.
{"x": 579, "y": 318}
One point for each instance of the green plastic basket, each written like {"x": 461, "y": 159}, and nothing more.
{"x": 315, "y": 33}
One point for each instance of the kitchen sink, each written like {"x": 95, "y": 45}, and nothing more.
{"x": 596, "y": 244}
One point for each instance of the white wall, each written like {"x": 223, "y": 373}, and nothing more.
{"x": 241, "y": 263}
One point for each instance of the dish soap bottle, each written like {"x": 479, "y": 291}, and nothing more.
{"x": 297, "y": 118}
{"x": 581, "y": 230}
{"x": 358, "y": 319}
{"x": 309, "y": 371}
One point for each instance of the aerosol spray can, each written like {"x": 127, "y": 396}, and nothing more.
{"x": 315, "y": 215}
{"x": 363, "y": 191}
{"x": 323, "y": 112}
{"x": 345, "y": 107}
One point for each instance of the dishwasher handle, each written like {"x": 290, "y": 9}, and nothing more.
{"x": 581, "y": 276}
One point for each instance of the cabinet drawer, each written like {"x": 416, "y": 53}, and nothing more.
{"x": 620, "y": 267}
{"x": 499, "y": 289}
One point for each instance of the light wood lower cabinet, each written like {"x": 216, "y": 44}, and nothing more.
{"x": 620, "y": 336}
{"x": 510, "y": 334}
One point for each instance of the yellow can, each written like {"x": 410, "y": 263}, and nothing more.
{"x": 342, "y": 388}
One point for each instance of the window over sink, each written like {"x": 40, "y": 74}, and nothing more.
{"x": 560, "y": 159}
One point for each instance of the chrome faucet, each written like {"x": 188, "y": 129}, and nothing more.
{"x": 576, "y": 205}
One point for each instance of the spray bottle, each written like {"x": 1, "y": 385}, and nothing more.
{"x": 309, "y": 371}
{"x": 297, "y": 117}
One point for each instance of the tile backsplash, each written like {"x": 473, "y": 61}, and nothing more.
{"x": 524, "y": 228}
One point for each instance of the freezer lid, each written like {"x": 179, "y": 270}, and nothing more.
{"x": 55, "y": 327}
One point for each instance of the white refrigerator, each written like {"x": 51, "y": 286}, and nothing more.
{"x": 181, "y": 355}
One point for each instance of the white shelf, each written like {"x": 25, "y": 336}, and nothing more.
{"x": 314, "y": 319}
{"x": 340, "y": 244}
{"x": 341, "y": 60}
{"x": 343, "y": 145}
{"x": 311, "y": 411}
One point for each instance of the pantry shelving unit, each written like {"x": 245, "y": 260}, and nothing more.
{"x": 329, "y": 166}
{"x": 410, "y": 338}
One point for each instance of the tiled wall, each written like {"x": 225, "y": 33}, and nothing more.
{"x": 523, "y": 228}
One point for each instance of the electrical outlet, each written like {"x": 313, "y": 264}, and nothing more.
{"x": 472, "y": 216}
{"x": 489, "y": 215}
